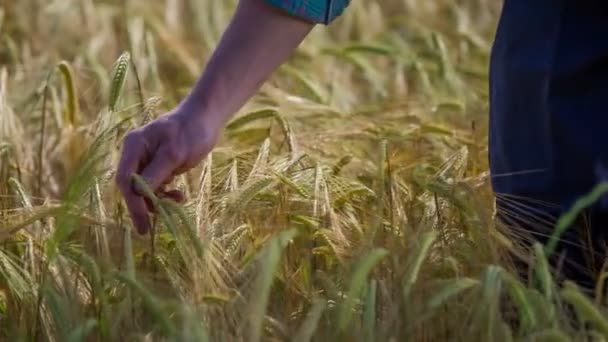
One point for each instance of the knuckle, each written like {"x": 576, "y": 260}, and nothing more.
{"x": 133, "y": 138}
{"x": 175, "y": 153}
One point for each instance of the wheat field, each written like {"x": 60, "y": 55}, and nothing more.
{"x": 349, "y": 200}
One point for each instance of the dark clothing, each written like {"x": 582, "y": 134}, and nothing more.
{"x": 549, "y": 86}
{"x": 549, "y": 123}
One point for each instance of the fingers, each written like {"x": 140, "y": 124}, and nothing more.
{"x": 176, "y": 195}
{"x": 157, "y": 162}
{"x": 132, "y": 155}
{"x": 160, "y": 170}
{"x": 138, "y": 211}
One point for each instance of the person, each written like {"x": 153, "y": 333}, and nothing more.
{"x": 548, "y": 83}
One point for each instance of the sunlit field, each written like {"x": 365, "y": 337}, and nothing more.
{"x": 348, "y": 201}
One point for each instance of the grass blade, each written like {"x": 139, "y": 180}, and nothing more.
{"x": 543, "y": 273}
{"x": 451, "y": 289}
{"x": 307, "y": 330}
{"x": 357, "y": 282}
{"x": 585, "y": 308}
{"x": 82, "y": 331}
{"x": 250, "y": 117}
{"x": 369, "y": 315}
{"x": 568, "y": 218}
{"x": 517, "y": 293}
{"x": 411, "y": 275}
{"x": 152, "y": 304}
{"x": 271, "y": 259}
{"x": 550, "y": 335}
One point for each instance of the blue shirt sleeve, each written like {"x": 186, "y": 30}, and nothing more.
{"x": 317, "y": 11}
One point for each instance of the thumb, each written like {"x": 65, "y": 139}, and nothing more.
{"x": 160, "y": 168}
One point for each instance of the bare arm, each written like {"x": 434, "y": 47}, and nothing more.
{"x": 258, "y": 40}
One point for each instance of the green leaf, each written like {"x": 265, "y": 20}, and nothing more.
{"x": 369, "y": 315}
{"x": 270, "y": 261}
{"x": 586, "y": 310}
{"x": 451, "y": 288}
{"x": 413, "y": 269}
{"x": 307, "y": 330}
{"x": 357, "y": 282}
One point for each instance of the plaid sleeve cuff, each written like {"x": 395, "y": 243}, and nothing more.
{"x": 318, "y": 11}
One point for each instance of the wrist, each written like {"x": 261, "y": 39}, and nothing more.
{"x": 197, "y": 112}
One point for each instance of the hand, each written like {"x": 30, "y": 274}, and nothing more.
{"x": 259, "y": 39}
{"x": 164, "y": 148}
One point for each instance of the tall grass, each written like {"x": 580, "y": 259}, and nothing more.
{"x": 349, "y": 200}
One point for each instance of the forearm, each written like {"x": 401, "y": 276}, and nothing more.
{"x": 258, "y": 40}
